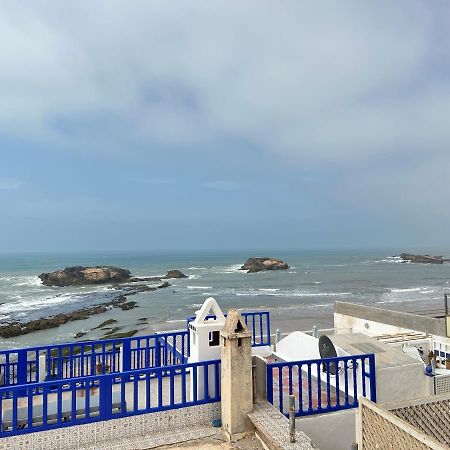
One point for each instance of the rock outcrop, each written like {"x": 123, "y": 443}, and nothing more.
{"x": 14, "y": 329}
{"x": 175, "y": 274}
{"x": 253, "y": 265}
{"x": 423, "y": 259}
{"x": 78, "y": 276}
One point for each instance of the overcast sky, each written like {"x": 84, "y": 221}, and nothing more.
{"x": 224, "y": 124}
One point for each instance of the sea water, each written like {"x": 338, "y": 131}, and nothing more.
{"x": 297, "y": 298}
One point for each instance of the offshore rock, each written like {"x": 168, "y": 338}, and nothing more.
{"x": 175, "y": 274}
{"x": 78, "y": 276}
{"x": 423, "y": 259}
{"x": 253, "y": 265}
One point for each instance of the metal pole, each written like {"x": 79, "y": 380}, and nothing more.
{"x": 446, "y": 304}
{"x": 277, "y": 338}
{"x": 291, "y": 419}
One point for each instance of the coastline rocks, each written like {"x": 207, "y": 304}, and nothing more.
{"x": 422, "y": 259}
{"x": 253, "y": 265}
{"x": 105, "y": 323}
{"x": 175, "y": 274}
{"x": 128, "y": 305}
{"x": 78, "y": 275}
{"x": 14, "y": 329}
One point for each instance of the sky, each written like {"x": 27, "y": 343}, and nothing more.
{"x": 224, "y": 124}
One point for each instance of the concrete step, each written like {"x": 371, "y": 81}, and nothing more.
{"x": 272, "y": 428}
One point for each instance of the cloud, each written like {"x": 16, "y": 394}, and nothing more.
{"x": 10, "y": 184}
{"x": 311, "y": 83}
{"x": 357, "y": 89}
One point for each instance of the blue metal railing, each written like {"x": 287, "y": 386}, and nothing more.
{"x": 258, "y": 323}
{"x": 75, "y": 401}
{"x": 71, "y": 360}
{"x": 321, "y": 385}
{"x": 63, "y": 361}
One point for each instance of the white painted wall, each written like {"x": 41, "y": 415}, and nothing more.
{"x": 331, "y": 431}
{"x": 401, "y": 383}
{"x": 263, "y": 351}
{"x": 357, "y": 325}
{"x": 201, "y": 331}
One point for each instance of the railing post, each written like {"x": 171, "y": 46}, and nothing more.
{"x": 268, "y": 330}
{"x": 157, "y": 352}
{"x": 22, "y": 366}
{"x": 373, "y": 382}
{"x": 126, "y": 355}
{"x": 22, "y": 370}
{"x": 92, "y": 364}
{"x": 269, "y": 378}
{"x": 105, "y": 406}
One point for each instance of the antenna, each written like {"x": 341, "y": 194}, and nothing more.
{"x": 327, "y": 350}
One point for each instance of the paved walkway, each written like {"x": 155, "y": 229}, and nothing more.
{"x": 248, "y": 443}
{"x": 273, "y": 427}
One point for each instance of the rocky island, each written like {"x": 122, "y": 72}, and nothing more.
{"x": 122, "y": 286}
{"x": 423, "y": 259}
{"x": 78, "y": 275}
{"x": 259, "y": 264}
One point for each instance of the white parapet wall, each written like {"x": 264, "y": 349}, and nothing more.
{"x": 376, "y": 321}
{"x": 331, "y": 431}
{"x": 369, "y": 327}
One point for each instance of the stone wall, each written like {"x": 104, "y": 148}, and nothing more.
{"x": 113, "y": 431}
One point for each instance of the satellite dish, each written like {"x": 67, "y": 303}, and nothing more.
{"x": 327, "y": 350}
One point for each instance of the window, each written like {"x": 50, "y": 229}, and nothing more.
{"x": 214, "y": 338}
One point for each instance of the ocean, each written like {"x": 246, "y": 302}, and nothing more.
{"x": 297, "y": 298}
